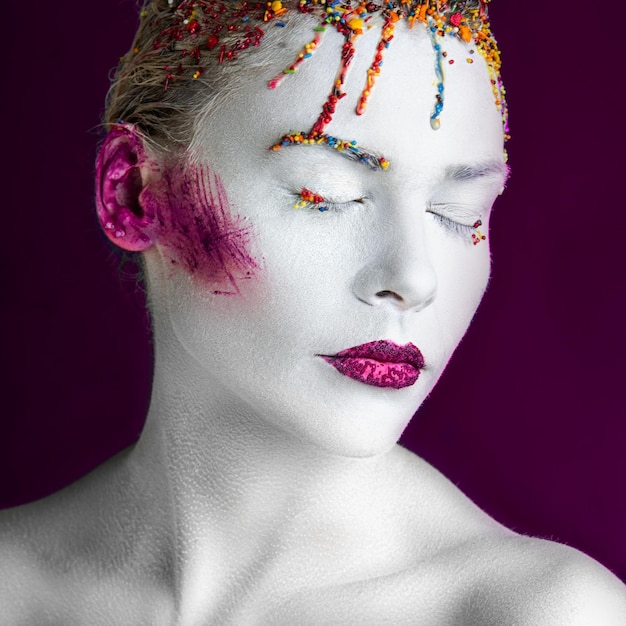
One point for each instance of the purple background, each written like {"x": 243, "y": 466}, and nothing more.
{"x": 529, "y": 418}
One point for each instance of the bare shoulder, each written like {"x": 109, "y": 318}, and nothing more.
{"x": 40, "y": 547}
{"x": 507, "y": 574}
{"x": 29, "y": 556}
{"x": 468, "y": 570}
{"x": 487, "y": 582}
{"x": 71, "y": 555}
{"x": 533, "y": 581}
{"x": 64, "y": 520}
{"x": 592, "y": 593}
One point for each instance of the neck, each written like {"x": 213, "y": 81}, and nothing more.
{"x": 236, "y": 488}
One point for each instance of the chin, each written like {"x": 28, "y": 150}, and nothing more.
{"x": 364, "y": 433}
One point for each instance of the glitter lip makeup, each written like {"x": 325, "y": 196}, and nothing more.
{"x": 380, "y": 364}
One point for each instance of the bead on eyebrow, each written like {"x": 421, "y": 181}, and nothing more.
{"x": 349, "y": 149}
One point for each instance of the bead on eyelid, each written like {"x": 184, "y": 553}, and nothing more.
{"x": 478, "y": 236}
{"x": 308, "y": 198}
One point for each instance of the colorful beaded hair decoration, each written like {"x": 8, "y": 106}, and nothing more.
{"x": 225, "y": 28}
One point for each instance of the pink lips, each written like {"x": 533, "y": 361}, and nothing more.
{"x": 379, "y": 363}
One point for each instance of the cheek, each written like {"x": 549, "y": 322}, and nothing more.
{"x": 463, "y": 274}
{"x": 197, "y": 230}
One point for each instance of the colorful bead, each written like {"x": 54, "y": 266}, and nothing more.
{"x": 349, "y": 148}
{"x": 478, "y": 236}
{"x": 374, "y": 69}
{"x": 310, "y": 199}
{"x": 227, "y": 27}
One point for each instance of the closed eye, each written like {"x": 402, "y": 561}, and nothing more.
{"x": 310, "y": 200}
{"x": 454, "y": 227}
{"x": 456, "y": 218}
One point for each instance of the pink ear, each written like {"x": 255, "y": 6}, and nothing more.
{"x": 118, "y": 190}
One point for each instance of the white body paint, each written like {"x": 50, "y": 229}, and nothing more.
{"x": 267, "y": 488}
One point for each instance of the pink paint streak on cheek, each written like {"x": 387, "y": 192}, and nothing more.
{"x": 197, "y": 229}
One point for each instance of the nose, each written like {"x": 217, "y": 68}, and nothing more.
{"x": 401, "y": 274}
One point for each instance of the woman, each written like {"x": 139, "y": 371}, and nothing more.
{"x": 304, "y": 304}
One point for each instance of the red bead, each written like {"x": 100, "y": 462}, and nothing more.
{"x": 456, "y": 19}
{"x": 193, "y": 27}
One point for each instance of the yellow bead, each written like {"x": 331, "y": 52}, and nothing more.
{"x": 277, "y": 5}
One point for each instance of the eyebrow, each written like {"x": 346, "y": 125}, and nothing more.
{"x": 486, "y": 169}
{"x": 374, "y": 160}
{"x": 346, "y": 148}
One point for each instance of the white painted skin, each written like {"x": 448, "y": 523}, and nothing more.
{"x": 322, "y": 273}
{"x": 266, "y": 487}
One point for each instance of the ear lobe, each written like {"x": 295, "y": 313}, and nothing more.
{"x": 120, "y": 172}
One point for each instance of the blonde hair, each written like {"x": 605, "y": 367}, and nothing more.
{"x": 154, "y": 90}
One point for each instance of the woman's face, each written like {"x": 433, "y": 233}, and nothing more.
{"x": 391, "y": 259}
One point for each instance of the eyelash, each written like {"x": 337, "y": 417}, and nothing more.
{"x": 310, "y": 200}
{"x": 454, "y": 227}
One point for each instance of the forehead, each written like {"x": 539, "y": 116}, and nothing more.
{"x": 397, "y": 121}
